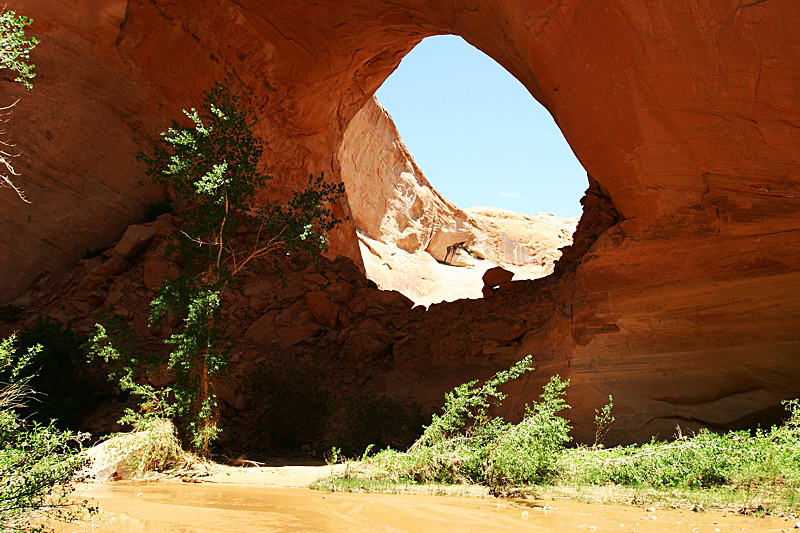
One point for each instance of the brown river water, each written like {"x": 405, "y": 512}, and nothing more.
{"x": 206, "y": 508}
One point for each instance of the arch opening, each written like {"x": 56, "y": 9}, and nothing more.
{"x": 504, "y": 185}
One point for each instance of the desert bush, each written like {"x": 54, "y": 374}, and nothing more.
{"x": 153, "y": 443}
{"x": 528, "y": 452}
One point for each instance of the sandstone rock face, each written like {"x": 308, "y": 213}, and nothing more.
{"x": 390, "y": 197}
{"x": 407, "y": 229}
{"x": 685, "y": 115}
{"x": 526, "y": 244}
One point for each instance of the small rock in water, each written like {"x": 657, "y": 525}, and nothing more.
{"x": 525, "y": 514}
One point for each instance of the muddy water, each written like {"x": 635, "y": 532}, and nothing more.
{"x": 205, "y": 508}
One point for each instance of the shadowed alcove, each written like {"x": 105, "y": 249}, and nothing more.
{"x": 681, "y": 292}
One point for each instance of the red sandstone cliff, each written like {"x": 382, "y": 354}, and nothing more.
{"x": 685, "y": 114}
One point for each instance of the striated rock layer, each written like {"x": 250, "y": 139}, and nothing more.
{"x": 685, "y": 115}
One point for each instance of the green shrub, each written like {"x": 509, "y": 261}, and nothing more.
{"x": 466, "y": 444}
{"x": 528, "y": 452}
{"x": 602, "y": 420}
{"x": 67, "y": 389}
{"x": 37, "y": 462}
{"x": 153, "y": 443}
{"x": 705, "y": 460}
{"x": 15, "y": 48}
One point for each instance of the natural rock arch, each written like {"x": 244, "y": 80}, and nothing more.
{"x": 685, "y": 115}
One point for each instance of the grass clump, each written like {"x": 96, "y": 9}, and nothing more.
{"x": 761, "y": 468}
{"x": 153, "y": 444}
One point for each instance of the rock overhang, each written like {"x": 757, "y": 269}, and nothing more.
{"x": 685, "y": 116}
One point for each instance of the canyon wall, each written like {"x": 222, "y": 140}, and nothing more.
{"x": 684, "y": 113}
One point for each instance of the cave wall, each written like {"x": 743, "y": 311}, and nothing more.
{"x": 685, "y": 113}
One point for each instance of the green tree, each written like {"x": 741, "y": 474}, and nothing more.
{"x": 212, "y": 163}
{"x": 15, "y": 50}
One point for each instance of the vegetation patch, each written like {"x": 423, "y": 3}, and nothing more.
{"x": 753, "y": 472}
{"x": 37, "y": 461}
{"x": 212, "y": 164}
{"x": 66, "y": 386}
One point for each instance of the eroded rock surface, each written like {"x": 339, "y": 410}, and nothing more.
{"x": 415, "y": 240}
{"x": 685, "y": 114}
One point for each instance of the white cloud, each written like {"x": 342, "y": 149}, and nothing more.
{"x": 515, "y": 194}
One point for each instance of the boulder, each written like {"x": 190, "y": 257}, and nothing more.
{"x": 495, "y": 276}
{"x": 230, "y": 394}
{"x": 158, "y": 269}
{"x": 502, "y": 329}
{"x": 292, "y": 329}
{"x": 322, "y": 308}
{"x": 341, "y": 291}
{"x": 263, "y": 331}
{"x": 315, "y": 278}
{"x": 260, "y": 288}
{"x": 135, "y": 239}
{"x": 100, "y": 274}
{"x": 368, "y": 341}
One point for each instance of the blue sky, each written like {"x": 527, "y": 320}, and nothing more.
{"x": 478, "y": 135}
